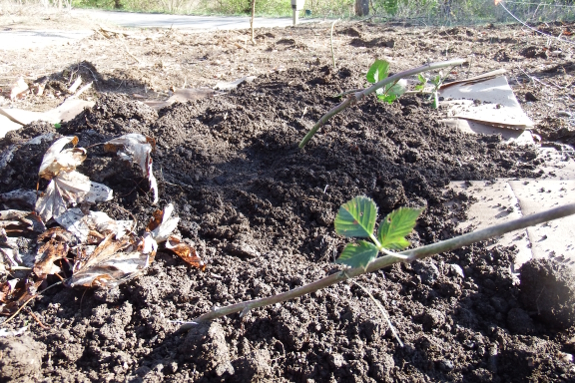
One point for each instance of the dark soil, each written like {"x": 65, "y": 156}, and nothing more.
{"x": 260, "y": 212}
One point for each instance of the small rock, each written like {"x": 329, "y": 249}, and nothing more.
{"x": 456, "y": 270}
{"x": 446, "y": 365}
{"x": 427, "y": 270}
{"x": 253, "y": 367}
{"x": 499, "y": 304}
{"x": 206, "y": 345}
{"x": 433, "y": 319}
{"x": 242, "y": 250}
{"x": 337, "y": 360}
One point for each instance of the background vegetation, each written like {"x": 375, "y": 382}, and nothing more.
{"x": 417, "y": 12}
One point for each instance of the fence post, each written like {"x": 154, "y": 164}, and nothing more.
{"x": 361, "y": 7}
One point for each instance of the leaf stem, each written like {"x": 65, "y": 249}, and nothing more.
{"x": 411, "y": 255}
{"x": 358, "y": 96}
{"x": 383, "y": 312}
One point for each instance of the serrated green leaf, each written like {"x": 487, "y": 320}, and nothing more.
{"x": 389, "y": 98}
{"x": 377, "y": 71}
{"x": 398, "y": 89}
{"x": 356, "y": 218}
{"x": 396, "y": 226}
{"x": 436, "y": 80}
{"x": 358, "y": 254}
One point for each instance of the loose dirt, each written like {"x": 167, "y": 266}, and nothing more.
{"x": 260, "y": 211}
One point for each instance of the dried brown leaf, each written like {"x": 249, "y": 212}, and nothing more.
{"x": 114, "y": 262}
{"x": 48, "y": 254}
{"x": 137, "y": 148}
{"x": 18, "y": 89}
{"x": 57, "y": 159}
{"x": 21, "y": 222}
{"x": 162, "y": 225}
{"x": 69, "y": 188}
{"x": 185, "y": 251}
{"x": 94, "y": 226}
{"x": 9, "y": 288}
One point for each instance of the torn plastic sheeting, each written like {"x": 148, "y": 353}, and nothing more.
{"x": 6, "y": 333}
{"x": 486, "y": 100}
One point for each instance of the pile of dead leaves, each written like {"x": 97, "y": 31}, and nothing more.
{"x": 83, "y": 248}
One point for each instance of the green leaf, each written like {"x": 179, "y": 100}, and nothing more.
{"x": 358, "y": 254}
{"x": 356, "y": 218}
{"x": 389, "y": 98}
{"x": 398, "y": 89}
{"x": 422, "y": 80}
{"x": 419, "y": 87}
{"x": 57, "y": 125}
{"x": 396, "y": 226}
{"x": 378, "y": 71}
{"x": 436, "y": 80}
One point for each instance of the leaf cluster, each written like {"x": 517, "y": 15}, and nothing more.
{"x": 357, "y": 218}
{"x": 379, "y": 71}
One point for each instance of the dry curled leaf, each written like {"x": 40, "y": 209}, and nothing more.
{"x": 185, "y": 251}
{"x": 113, "y": 262}
{"x": 48, "y": 254}
{"x": 162, "y": 225}
{"x": 18, "y": 89}
{"x": 94, "y": 226}
{"x": 22, "y": 292}
{"x": 20, "y": 222}
{"x": 137, "y": 148}
{"x": 9, "y": 253}
{"x": 67, "y": 186}
{"x": 69, "y": 189}
{"x": 8, "y": 289}
{"x": 58, "y": 159}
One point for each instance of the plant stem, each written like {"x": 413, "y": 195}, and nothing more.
{"x": 252, "y": 21}
{"x": 352, "y": 100}
{"x": 331, "y": 43}
{"x": 379, "y": 263}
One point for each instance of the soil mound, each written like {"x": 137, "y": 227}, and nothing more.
{"x": 260, "y": 212}
{"x": 548, "y": 290}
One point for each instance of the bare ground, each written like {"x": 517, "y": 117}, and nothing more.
{"x": 260, "y": 211}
